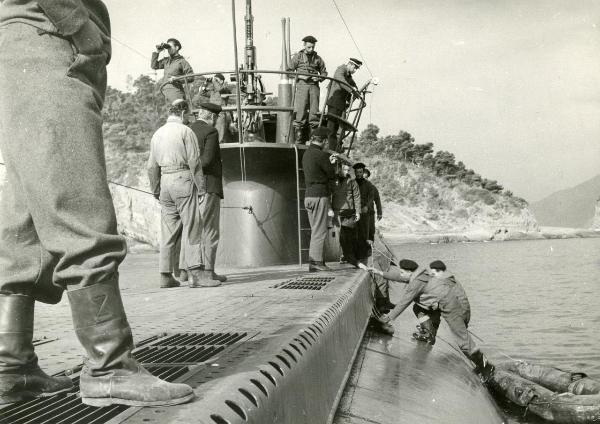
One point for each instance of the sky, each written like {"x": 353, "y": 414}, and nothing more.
{"x": 511, "y": 87}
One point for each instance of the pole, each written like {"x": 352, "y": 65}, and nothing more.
{"x": 237, "y": 75}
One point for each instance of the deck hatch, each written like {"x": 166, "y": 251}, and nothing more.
{"x": 168, "y": 356}
{"x": 304, "y": 283}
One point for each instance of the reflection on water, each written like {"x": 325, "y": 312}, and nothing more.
{"x": 533, "y": 300}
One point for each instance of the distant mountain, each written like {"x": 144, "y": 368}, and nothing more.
{"x": 572, "y": 207}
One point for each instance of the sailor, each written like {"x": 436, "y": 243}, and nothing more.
{"x": 319, "y": 176}
{"x": 178, "y": 182}
{"x": 376, "y": 204}
{"x": 210, "y": 208}
{"x": 340, "y": 96}
{"x": 307, "y": 88}
{"x": 367, "y": 194}
{"x": 175, "y": 66}
{"x": 436, "y": 293}
{"x": 218, "y": 93}
{"x": 346, "y": 205}
{"x": 57, "y": 222}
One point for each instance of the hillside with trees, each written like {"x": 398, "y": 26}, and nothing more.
{"x": 425, "y": 191}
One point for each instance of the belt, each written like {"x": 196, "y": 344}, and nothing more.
{"x": 170, "y": 169}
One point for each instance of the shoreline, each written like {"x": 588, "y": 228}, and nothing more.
{"x": 545, "y": 233}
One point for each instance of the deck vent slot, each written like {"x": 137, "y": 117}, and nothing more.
{"x": 167, "y": 356}
{"x": 304, "y": 283}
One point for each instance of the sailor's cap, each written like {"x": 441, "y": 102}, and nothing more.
{"x": 309, "y": 39}
{"x": 359, "y": 165}
{"x": 356, "y": 62}
{"x": 438, "y": 265}
{"x": 211, "y": 107}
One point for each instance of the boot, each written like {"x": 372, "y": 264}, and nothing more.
{"x": 482, "y": 367}
{"x": 20, "y": 376}
{"x": 382, "y": 327}
{"x": 298, "y": 133}
{"x": 384, "y": 305}
{"x": 425, "y": 333}
{"x": 202, "y": 278}
{"x": 167, "y": 280}
{"x": 183, "y": 276}
{"x": 316, "y": 266}
{"x": 217, "y": 277}
{"x": 110, "y": 374}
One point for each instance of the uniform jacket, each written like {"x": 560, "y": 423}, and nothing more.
{"x": 340, "y": 94}
{"x": 174, "y": 144}
{"x": 208, "y": 140}
{"x": 346, "y": 197}
{"x": 442, "y": 293}
{"x": 376, "y": 204}
{"x": 319, "y": 173}
{"x": 309, "y": 64}
{"x": 175, "y": 66}
{"x": 367, "y": 192}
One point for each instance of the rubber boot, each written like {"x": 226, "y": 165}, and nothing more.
{"x": 482, "y": 367}
{"x": 20, "y": 376}
{"x": 167, "y": 280}
{"x": 217, "y": 277}
{"x": 110, "y": 374}
{"x": 202, "y": 278}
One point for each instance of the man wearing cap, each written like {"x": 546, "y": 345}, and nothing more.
{"x": 218, "y": 93}
{"x": 376, "y": 204}
{"x": 340, "y": 97}
{"x": 210, "y": 207}
{"x": 178, "y": 182}
{"x": 307, "y": 88}
{"x": 319, "y": 177}
{"x": 58, "y": 230}
{"x": 367, "y": 194}
{"x": 175, "y": 66}
{"x": 436, "y": 293}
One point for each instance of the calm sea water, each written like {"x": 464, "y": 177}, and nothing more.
{"x": 533, "y": 300}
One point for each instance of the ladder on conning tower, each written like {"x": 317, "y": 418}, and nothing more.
{"x": 302, "y": 215}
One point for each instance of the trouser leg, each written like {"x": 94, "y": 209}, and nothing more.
{"x": 171, "y": 230}
{"x": 371, "y": 226}
{"x": 210, "y": 211}
{"x": 455, "y": 320}
{"x": 301, "y": 104}
{"x": 363, "y": 235}
{"x": 317, "y": 208}
{"x": 54, "y": 148}
{"x": 348, "y": 244}
{"x": 333, "y": 126}
{"x": 314, "y": 94}
{"x": 191, "y": 242}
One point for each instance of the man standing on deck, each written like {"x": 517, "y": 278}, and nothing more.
{"x": 319, "y": 177}
{"x": 175, "y": 66}
{"x": 57, "y": 222}
{"x": 376, "y": 204}
{"x": 346, "y": 204}
{"x": 178, "y": 182}
{"x": 217, "y": 92}
{"x": 436, "y": 293}
{"x": 307, "y": 88}
{"x": 367, "y": 195}
{"x": 210, "y": 208}
{"x": 340, "y": 97}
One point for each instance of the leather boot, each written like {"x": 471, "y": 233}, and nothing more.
{"x": 20, "y": 376}
{"x": 217, "y": 277}
{"x": 110, "y": 374}
{"x": 167, "y": 280}
{"x": 482, "y": 367}
{"x": 183, "y": 276}
{"x": 202, "y": 278}
{"x": 315, "y": 266}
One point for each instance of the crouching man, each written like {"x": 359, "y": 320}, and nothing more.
{"x": 436, "y": 293}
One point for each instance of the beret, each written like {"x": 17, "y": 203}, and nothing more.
{"x": 309, "y": 39}
{"x": 408, "y": 265}
{"x": 211, "y": 107}
{"x": 220, "y": 76}
{"x": 359, "y": 165}
{"x": 438, "y": 265}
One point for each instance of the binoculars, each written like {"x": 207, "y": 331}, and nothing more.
{"x": 162, "y": 46}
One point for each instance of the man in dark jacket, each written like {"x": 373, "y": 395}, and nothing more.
{"x": 346, "y": 205}
{"x": 175, "y": 66}
{"x": 436, "y": 292}
{"x": 57, "y": 221}
{"x": 367, "y": 194}
{"x": 210, "y": 209}
{"x": 307, "y": 88}
{"x": 340, "y": 96}
{"x": 376, "y": 204}
{"x": 319, "y": 177}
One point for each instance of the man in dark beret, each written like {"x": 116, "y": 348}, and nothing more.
{"x": 436, "y": 293}
{"x": 319, "y": 177}
{"x": 340, "y": 96}
{"x": 210, "y": 207}
{"x": 307, "y": 61}
{"x": 174, "y": 65}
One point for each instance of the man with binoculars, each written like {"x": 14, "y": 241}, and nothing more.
{"x": 175, "y": 66}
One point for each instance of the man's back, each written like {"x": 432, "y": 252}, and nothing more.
{"x": 318, "y": 172}
{"x": 208, "y": 141}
